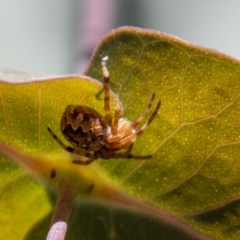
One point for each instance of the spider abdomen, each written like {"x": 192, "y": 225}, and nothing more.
{"x": 84, "y": 127}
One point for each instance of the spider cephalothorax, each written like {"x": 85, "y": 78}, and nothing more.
{"x": 94, "y": 136}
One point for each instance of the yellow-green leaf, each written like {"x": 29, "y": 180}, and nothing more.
{"x": 194, "y": 139}
{"x": 27, "y": 108}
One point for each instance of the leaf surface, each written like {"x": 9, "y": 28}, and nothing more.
{"x": 194, "y": 140}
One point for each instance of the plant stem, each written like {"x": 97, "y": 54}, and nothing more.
{"x": 62, "y": 212}
{"x": 57, "y": 231}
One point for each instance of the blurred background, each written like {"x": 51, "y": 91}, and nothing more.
{"x": 58, "y": 36}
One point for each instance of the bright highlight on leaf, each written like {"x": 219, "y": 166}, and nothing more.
{"x": 194, "y": 139}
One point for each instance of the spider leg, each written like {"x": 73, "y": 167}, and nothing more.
{"x": 119, "y": 108}
{"x": 127, "y": 155}
{"x": 137, "y": 157}
{"x": 117, "y": 115}
{"x": 129, "y": 149}
{"x": 144, "y": 113}
{"x": 131, "y": 127}
{"x": 106, "y": 87}
{"x": 80, "y": 162}
{"x": 73, "y": 150}
{"x": 132, "y": 136}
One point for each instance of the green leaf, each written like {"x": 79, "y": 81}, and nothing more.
{"x": 194, "y": 139}
{"x": 27, "y": 107}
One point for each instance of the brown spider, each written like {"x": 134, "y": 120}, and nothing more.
{"x": 94, "y": 136}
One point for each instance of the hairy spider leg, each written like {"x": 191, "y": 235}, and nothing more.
{"x": 136, "y": 123}
{"x": 130, "y": 129}
{"x": 124, "y": 155}
{"x": 106, "y": 87}
{"x": 80, "y": 162}
{"x": 73, "y": 150}
{"x": 144, "y": 113}
{"x": 130, "y": 137}
{"x": 118, "y": 113}
{"x": 113, "y": 121}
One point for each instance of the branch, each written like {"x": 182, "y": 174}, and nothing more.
{"x": 62, "y": 212}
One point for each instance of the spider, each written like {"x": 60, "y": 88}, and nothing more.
{"x": 94, "y": 136}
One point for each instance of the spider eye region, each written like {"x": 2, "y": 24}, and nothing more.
{"x": 84, "y": 127}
